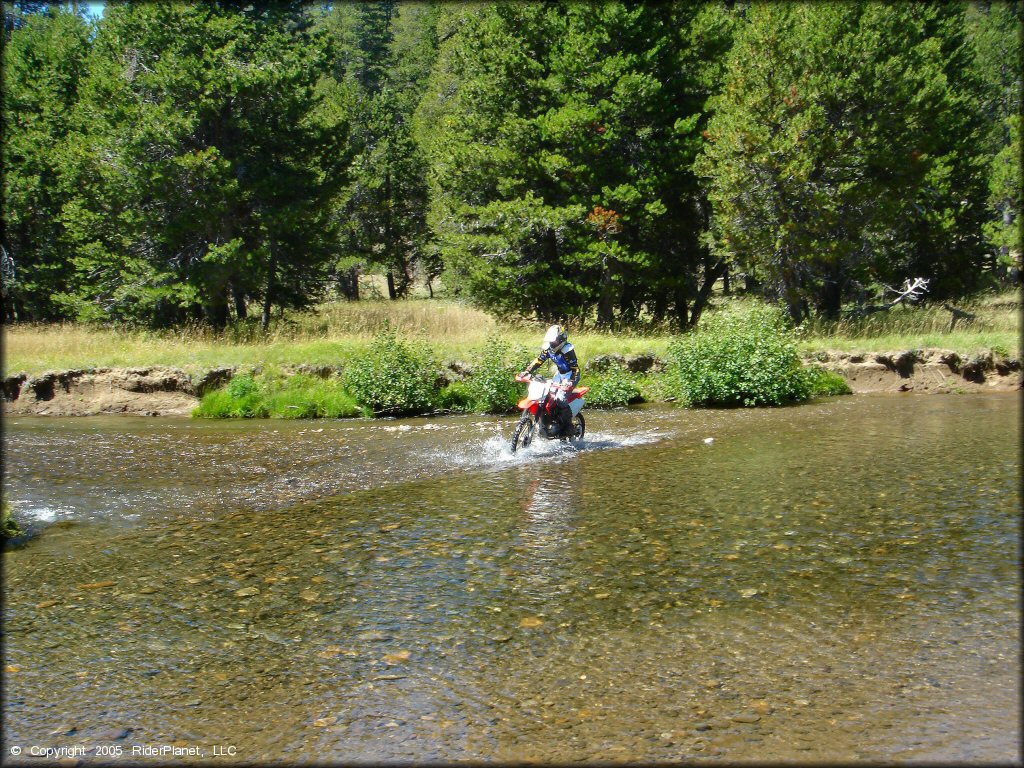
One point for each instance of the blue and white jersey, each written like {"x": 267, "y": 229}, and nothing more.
{"x": 564, "y": 360}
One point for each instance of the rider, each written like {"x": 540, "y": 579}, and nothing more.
{"x": 558, "y": 350}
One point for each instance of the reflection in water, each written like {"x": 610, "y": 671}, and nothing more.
{"x": 838, "y": 581}
{"x": 549, "y": 511}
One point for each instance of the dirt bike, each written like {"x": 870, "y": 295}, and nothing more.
{"x": 538, "y": 409}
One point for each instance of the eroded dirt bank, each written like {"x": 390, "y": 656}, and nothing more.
{"x": 923, "y": 370}
{"x": 166, "y": 391}
{"x": 153, "y": 391}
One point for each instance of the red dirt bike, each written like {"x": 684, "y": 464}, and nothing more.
{"x": 538, "y": 409}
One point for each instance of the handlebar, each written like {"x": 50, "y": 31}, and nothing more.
{"x": 527, "y": 378}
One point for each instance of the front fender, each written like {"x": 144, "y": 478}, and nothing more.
{"x": 526, "y": 404}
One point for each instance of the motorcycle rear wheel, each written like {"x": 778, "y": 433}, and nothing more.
{"x": 523, "y": 435}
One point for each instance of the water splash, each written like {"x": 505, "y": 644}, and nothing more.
{"x": 495, "y": 451}
{"x": 43, "y": 514}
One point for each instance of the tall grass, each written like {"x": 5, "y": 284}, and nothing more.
{"x": 434, "y": 319}
{"x": 992, "y": 314}
{"x": 337, "y": 333}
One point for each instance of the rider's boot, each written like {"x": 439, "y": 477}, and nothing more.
{"x": 564, "y": 416}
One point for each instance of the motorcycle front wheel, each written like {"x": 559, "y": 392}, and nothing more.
{"x": 523, "y": 435}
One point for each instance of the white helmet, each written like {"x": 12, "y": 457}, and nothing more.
{"x": 555, "y": 338}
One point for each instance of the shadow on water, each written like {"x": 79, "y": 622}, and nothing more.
{"x": 835, "y": 582}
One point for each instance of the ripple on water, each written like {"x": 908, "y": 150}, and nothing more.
{"x": 833, "y": 582}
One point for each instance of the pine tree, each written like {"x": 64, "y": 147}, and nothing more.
{"x": 840, "y": 154}
{"x": 43, "y": 62}
{"x": 385, "y": 50}
{"x": 561, "y": 155}
{"x": 208, "y": 165}
{"x": 994, "y": 29}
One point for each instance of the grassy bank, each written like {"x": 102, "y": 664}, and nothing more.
{"x": 995, "y": 326}
{"x": 341, "y": 332}
{"x": 410, "y": 356}
{"x": 337, "y": 334}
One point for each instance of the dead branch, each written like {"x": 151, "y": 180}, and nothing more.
{"x": 912, "y": 290}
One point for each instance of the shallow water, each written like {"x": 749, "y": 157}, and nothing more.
{"x": 837, "y": 581}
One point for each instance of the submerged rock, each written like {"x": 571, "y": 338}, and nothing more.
{"x": 113, "y": 734}
{"x": 746, "y": 717}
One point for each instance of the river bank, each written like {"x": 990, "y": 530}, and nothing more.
{"x": 171, "y": 391}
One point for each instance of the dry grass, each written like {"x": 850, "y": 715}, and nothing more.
{"x": 333, "y": 334}
{"x": 338, "y": 331}
{"x": 435, "y": 319}
{"x": 996, "y": 325}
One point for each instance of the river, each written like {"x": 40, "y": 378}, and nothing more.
{"x": 831, "y": 582}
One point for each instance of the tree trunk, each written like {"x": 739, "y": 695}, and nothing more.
{"x": 241, "y": 312}
{"x": 797, "y": 308}
{"x": 711, "y": 274}
{"x": 389, "y": 245}
{"x": 402, "y": 279}
{"x": 605, "y": 300}
{"x": 681, "y": 308}
{"x": 831, "y": 299}
{"x": 630, "y": 302}
{"x": 216, "y": 308}
{"x": 791, "y": 291}
{"x": 659, "y": 305}
{"x": 725, "y": 282}
{"x": 348, "y": 283}
{"x": 268, "y": 293}
{"x": 1004, "y": 275}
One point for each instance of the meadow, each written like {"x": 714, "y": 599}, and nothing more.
{"x": 339, "y": 332}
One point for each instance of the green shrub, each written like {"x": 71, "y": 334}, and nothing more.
{"x": 738, "y": 357}
{"x": 279, "y": 396}
{"x": 616, "y": 387}
{"x": 242, "y": 386}
{"x": 392, "y": 377}
{"x": 456, "y": 397}
{"x": 10, "y": 527}
{"x": 215, "y": 404}
{"x": 310, "y": 397}
{"x": 653, "y": 388}
{"x": 825, "y": 383}
{"x": 241, "y": 399}
{"x": 493, "y": 387}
